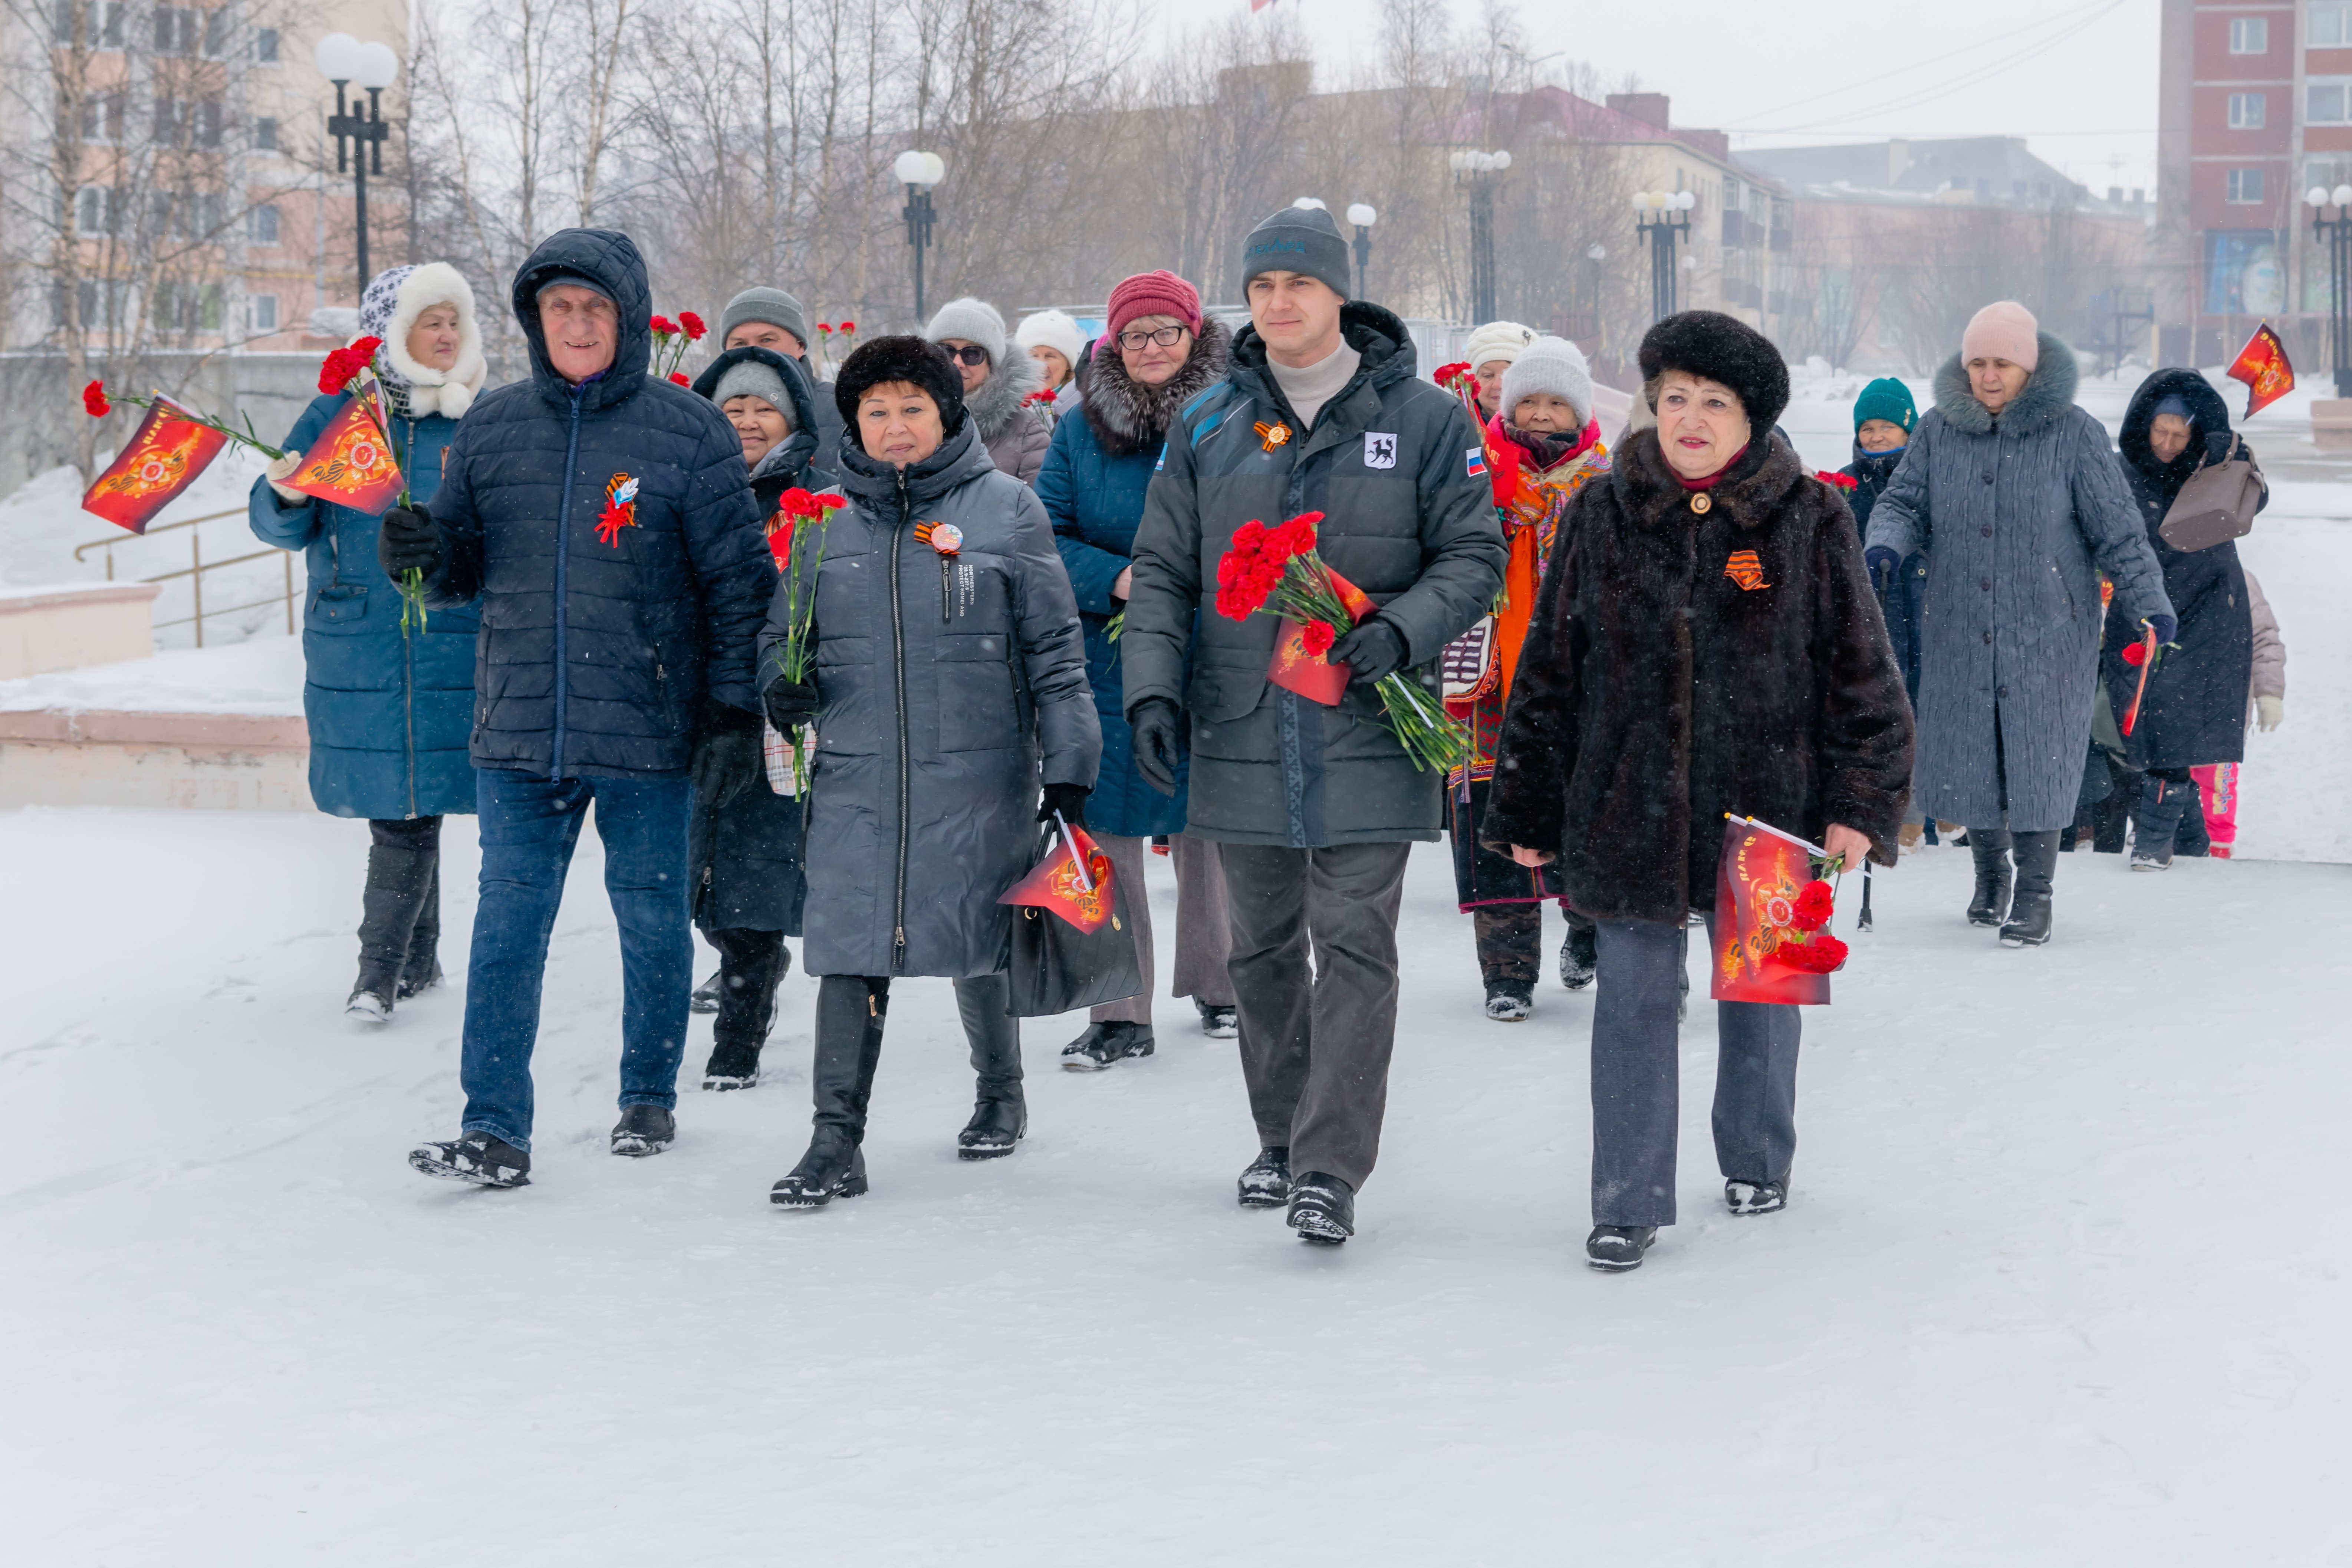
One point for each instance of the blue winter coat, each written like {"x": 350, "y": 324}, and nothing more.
{"x": 599, "y": 645}
{"x": 1903, "y": 597}
{"x": 1096, "y": 472}
{"x": 387, "y": 710}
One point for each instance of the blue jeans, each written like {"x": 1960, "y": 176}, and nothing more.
{"x": 529, "y": 827}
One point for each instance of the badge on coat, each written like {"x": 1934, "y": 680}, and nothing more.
{"x": 620, "y": 509}
{"x": 1476, "y": 462}
{"x": 1745, "y": 569}
{"x": 1379, "y": 451}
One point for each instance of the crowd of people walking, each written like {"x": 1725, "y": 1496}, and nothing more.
{"x": 1016, "y": 629}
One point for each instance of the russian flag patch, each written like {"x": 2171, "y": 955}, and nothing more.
{"x": 1476, "y": 461}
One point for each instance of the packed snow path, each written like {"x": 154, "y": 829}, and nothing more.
{"x": 2062, "y": 1279}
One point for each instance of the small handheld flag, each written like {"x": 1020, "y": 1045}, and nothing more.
{"x": 161, "y": 460}
{"x": 2263, "y": 366}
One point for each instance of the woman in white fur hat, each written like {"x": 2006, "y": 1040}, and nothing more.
{"x": 1054, "y": 340}
{"x": 390, "y": 706}
{"x": 1491, "y": 351}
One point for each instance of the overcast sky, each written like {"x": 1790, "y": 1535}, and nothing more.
{"x": 2075, "y": 78}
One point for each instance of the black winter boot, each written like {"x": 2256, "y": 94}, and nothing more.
{"x": 422, "y": 973}
{"x": 643, "y": 1130}
{"x": 999, "y": 1117}
{"x": 476, "y": 1157}
{"x": 1219, "y": 1020}
{"x": 1322, "y": 1208}
{"x": 402, "y": 855}
{"x": 1995, "y": 880}
{"x": 1105, "y": 1044}
{"x": 752, "y": 964}
{"x": 1579, "y": 960}
{"x": 850, "y": 1013}
{"x": 834, "y": 1167}
{"x": 1620, "y": 1248}
{"x": 1266, "y": 1185}
{"x": 2162, "y": 802}
{"x": 2028, "y": 916}
{"x": 1509, "y": 1001}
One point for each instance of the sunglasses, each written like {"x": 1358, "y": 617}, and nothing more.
{"x": 971, "y": 353}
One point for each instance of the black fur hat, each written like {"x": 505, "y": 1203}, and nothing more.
{"x": 904, "y": 358}
{"x": 1722, "y": 349}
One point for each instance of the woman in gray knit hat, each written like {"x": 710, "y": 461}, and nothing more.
{"x": 996, "y": 387}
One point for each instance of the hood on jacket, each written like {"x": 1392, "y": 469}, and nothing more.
{"x": 962, "y": 457}
{"x": 2208, "y": 415}
{"x": 796, "y": 451}
{"x": 1377, "y": 333}
{"x": 610, "y": 260}
{"x": 1128, "y": 417}
{"x": 395, "y": 298}
{"x": 2047, "y": 396}
{"x": 1000, "y": 397}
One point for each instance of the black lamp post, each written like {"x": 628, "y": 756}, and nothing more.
{"x": 1480, "y": 171}
{"x": 1363, "y": 217}
{"x": 358, "y": 133}
{"x": 2336, "y": 233}
{"x": 1670, "y": 224}
{"x": 919, "y": 172}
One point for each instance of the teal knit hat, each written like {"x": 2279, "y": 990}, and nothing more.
{"x": 1888, "y": 399}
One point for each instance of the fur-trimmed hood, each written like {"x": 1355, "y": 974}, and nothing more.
{"x": 1001, "y": 395}
{"x": 1126, "y": 416}
{"x": 2048, "y": 397}
{"x": 394, "y": 299}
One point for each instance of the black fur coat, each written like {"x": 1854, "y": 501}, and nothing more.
{"x": 1655, "y": 693}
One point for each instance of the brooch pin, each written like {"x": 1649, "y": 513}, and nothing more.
{"x": 1271, "y": 436}
{"x": 1699, "y": 503}
{"x": 620, "y": 509}
{"x": 1746, "y": 570}
{"x": 944, "y": 537}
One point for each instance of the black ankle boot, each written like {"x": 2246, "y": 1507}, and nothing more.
{"x": 998, "y": 1121}
{"x": 834, "y": 1167}
{"x": 2028, "y": 916}
{"x": 1000, "y": 1116}
{"x": 2157, "y": 823}
{"x": 1995, "y": 880}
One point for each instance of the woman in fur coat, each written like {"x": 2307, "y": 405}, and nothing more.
{"x": 1093, "y": 485}
{"x": 1705, "y": 641}
{"x": 388, "y": 704}
{"x": 999, "y": 384}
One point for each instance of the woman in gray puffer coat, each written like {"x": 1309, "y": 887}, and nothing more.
{"x": 2013, "y": 495}
{"x": 949, "y": 663}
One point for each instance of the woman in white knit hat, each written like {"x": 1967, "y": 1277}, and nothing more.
{"x": 1490, "y": 352}
{"x": 1052, "y": 338}
{"x": 998, "y": 384}
{"x": 1543, "y": 446}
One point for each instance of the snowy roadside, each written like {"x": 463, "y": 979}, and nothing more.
{"x": 2062, "y": 1280}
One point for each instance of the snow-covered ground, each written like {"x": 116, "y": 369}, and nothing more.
{"x": 2064, "y": 1279}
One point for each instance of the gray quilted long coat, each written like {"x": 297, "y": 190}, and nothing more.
{"x": 2018, "y": 516}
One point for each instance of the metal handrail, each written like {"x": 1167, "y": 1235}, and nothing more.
{"x": 197, "y": 568}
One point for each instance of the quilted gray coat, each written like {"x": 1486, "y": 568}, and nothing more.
{"x": 944, "y": 679}
{"x": 2018, "y": 515}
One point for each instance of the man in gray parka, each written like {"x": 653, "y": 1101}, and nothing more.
{"x": 1315, "y": 808}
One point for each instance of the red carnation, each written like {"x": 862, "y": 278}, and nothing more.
{"x": 680, "y": 376}
{"x": 1815, "y": 905}
{"x": 828, "y": 501}
{"x": 693, "y": 325}
{"x": 825, "y": 327}
{"x": 1319, "y": 638}
{"x": 848, "y": 326}
{"x": 1840, "y": 481}
{"x": 663, "y": 327}
{"x": 93, "y": 401}
{"x": 2136, "y": 654}
{"x": 1819, "y": 956}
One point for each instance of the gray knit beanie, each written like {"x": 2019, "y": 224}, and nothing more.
{"x": 973, "y": 320}
{"x": 1299, "y": 239}
{"x": 750, "y": 378}
{"x": 1554, "y": 365}
{"x": 772, "y": 306}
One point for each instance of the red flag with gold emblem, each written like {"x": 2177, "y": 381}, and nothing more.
{"x": 2263, "y": 365}
{"x": 1295, "y": 667}
{"x": 349, "y": 464}
{"x": 1771, "y": 937}
{"x": 1055, "y": 883}
{"x": 162, "y": 459}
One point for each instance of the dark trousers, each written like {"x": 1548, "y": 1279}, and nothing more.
{"x": 750, "y": 963}
{"x": 400, "y": 909}
{"x": 850, "y": 1010}
{"x": 1315, "y": 1042}
{"x": 1637, "y": 1083}
{"x": 530, "y": 826}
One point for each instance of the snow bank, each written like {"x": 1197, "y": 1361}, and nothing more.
{"x": 262, "y": 677}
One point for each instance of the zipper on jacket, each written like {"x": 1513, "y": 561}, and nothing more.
{"x": 563, "y": 549}
{"x": 899, "y": 662}
{"x": 408, "y": 658}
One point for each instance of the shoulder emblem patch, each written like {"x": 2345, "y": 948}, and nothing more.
{"x": 1476, "y": 462}
{"x": 620, "y": 509}
{"x": 1380, "y": 450}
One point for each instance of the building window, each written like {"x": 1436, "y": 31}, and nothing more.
{"x": 80, "y": 20}
{"x": 2251, "y": 35}
{"x": 2328, "y": 100}
{"x": 94, "y": 211}
{"x": 265, "y": 49}
{"x": 177, "y": 28}
{"x": 262, "y": 311}
{"x": 2246, "y": 110}
{"x": 2246, "y": 187}
{"x": 264, "y": 135}
{"x": 261, "y": 224}
{"x": 101, "y": 117}
{"x": 2330, "y": 24}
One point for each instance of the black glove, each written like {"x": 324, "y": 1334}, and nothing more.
{"x": 1159, "y": 735}
{"x": 1370, "y": 651}
{"x": 2166, "y": 628}
{"x": 789, "y": 704}
{"x": 1882, "y": 562}
{"x": 728, "y": 757}
{"x": 1069, "y": 800}
{"x": 409, "y": 540}
{"x": 2217, "y": 445}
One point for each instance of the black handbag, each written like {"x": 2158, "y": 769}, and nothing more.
{"x": 1057, "y": 968}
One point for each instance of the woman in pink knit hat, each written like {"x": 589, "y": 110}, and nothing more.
{"x": 2014, "y": 496}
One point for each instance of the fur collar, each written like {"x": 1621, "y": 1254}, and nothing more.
{"x": 2048, "y": 397}
{"x": 1001, "y": 395}
{"x": 1750, "y": 496}
{"x": 1128, "y": 417}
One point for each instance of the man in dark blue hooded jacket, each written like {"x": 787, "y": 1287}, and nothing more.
{"x": 603, "y": 521}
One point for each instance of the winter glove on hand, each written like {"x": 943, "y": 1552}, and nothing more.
{"x": 729, "y": 755}
{"x": 1069, "y": 800}
{"x": 1882, "y": 562}
{"x": 2217, "y": 447}
{"x": 2166, "y": 628}
{"x": 409, "y": 540}
{"x": 2270, "y": 712}
{"x": 1370, "y": 651}
{"x": 286, "y": 467}
{"x": 789, "y": 705}
{"x": 1158, "y": 735}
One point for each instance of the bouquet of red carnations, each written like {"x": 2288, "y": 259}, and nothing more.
{"x": 800, "y": 554}
{"x": 1276, "y": 570}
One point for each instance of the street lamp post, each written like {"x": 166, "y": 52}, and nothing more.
{"x": 1363, "y": 217}
{"x": 2336, "y": 233}
{"x": 1596, "y": 256}
{"x": 1481, "y": 171}
{"x": 358, "y": 133}
{"x": 919, "y": 172}
{"x": 1671, "y": 223}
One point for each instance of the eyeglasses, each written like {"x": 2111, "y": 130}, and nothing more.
{"x": 971, "y": 353}
{"x": 1166, "y": 337}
